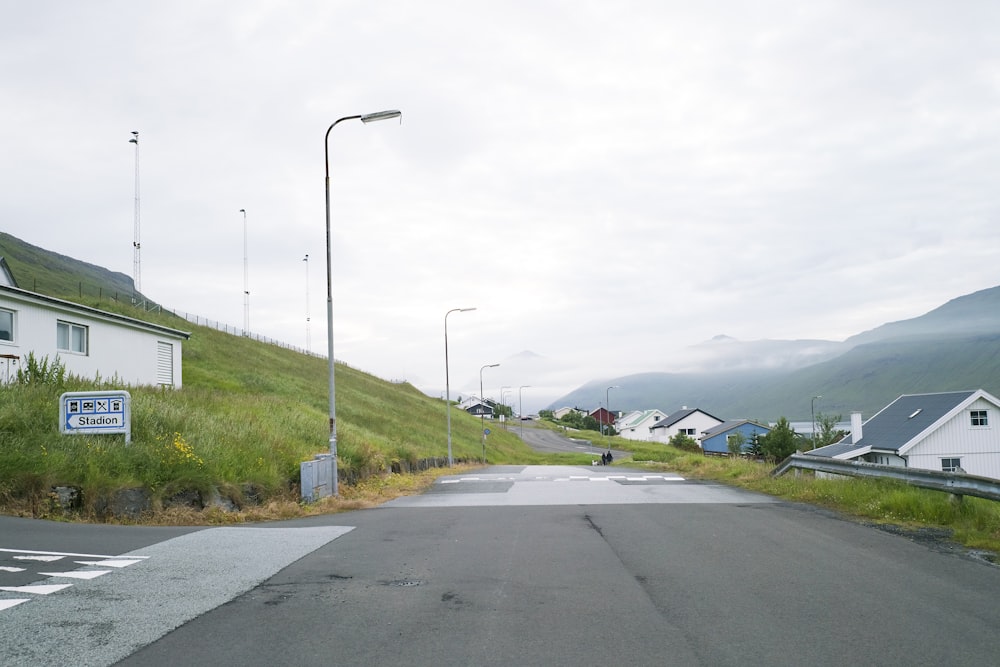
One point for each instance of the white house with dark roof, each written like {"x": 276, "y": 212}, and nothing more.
{"x": 949, "y": 431}
{"x": 691, "y": 422}
{"x": 89, "y": 342}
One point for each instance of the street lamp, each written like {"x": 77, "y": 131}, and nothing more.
{"x": 812, "y": 405}
{"x": 365, "y": 118}
{"x": 520, "y": 408}
{"x": 607, "y": 406}
{"x": 246, "y": 279}
{"x": 447, "y": 383}
{"x": 482, "y": 405}
{"x": 503, "y": 402}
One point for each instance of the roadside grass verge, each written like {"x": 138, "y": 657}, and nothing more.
{"x": 973, "y": 522}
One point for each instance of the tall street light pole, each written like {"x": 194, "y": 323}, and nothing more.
{"x": 365, "y": 118}
{"x": 607, "y": 406}
{"x": 520, "y": 407}
{"x": 447, "y": 381}
{"x": 503, "y": 402}
{"x": 246, "y": 279}
{"x": 482, "y": 406}
{"x": 812, "y": 405}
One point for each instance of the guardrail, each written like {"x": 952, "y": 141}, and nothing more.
{"x": 957, "y": 484}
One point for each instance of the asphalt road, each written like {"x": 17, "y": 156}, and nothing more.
{"x": 546, "y": 440}
{"x": 540, "y": 565}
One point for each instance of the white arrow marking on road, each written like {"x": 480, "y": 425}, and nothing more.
{"x": 37, "y": 590}
{"x": 111, "y": 562}
{"x": 7, "y": 604}
{"x": 91, "y": 574}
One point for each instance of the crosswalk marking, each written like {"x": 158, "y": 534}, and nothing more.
{"x": 39, "y": 589}
{"x": 77, "y": 574}
{"x": 111, "y": 562}
{"x": 86, "y": 572}
{"x": 7, "y": 604}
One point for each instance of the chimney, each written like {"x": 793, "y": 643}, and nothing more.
{"x": 855, "y": 427}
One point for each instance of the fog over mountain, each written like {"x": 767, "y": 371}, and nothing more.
{"x": 955, "y": 346}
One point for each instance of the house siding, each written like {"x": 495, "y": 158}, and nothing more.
{"x": 978, "y": 447}
{"x": 126, "y": 351}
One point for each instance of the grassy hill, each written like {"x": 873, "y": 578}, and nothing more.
{"x": 247, "y": 415}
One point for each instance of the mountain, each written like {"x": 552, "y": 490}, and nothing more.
{"x": 953, "y": 347}
{"x": 46, "y": 272}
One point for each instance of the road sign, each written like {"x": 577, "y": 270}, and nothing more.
{"x": 96, "y": 412}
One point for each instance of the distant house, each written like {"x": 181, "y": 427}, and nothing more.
{"x": 562, "y": 412}
{"x": 477, "y": 408}
{"x": 688, "y": 421}
{"x": 90, "y": 343}
{"x": 603, "y": 417}
{"x": 716, "y": 439}
{"x": 949, "y": 431}
{"x": 635, "y": 425}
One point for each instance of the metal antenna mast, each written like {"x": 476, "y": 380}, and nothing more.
{"x": 136, "y": 245}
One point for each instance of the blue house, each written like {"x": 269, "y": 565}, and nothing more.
{"x": 716, "y": 439}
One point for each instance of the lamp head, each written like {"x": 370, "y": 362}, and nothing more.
{"x": 381, "y": 115}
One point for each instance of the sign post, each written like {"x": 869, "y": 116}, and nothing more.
{"x": 96, "y": 412}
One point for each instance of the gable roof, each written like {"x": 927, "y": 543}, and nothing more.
{"x": 679, "y": 415}
{"x": 636, "y": 417}
{"x": 731, "y": 425}
{"x": 903, "y": 423}
{"x": 6, "y": 275}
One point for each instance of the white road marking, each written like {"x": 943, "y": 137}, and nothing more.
{"x": 44, "y": 559}
{"x": 77, "y": 574}
{"x": 4, "y": 568}
{"x": 111, "y": 562}
{"x": 7, "y": 604}
{"x": 43, "y": 589}
{"x": 58, "y": 553}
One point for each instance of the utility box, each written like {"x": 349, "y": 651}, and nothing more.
{"x": 316, "y": 477}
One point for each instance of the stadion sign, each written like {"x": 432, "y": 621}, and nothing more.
{"x": 96, "y": 412}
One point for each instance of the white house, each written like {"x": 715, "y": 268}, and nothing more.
{"x": 949, "y": 431}
{"x": 635, "y": 425}
{"x": 691, "y": 422}
{"x": 90, "y": 343}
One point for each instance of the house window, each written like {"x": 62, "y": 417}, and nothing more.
{"x": 978, "y": 418}
{"x": 71, "y": 337}
{"x": 7, "y": 325}
{"x": 951, "y": 465}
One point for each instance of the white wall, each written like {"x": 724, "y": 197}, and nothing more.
{"x": 978, "y": 447}
{"x": 116, "y": 347}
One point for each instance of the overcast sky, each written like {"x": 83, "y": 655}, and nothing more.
{"x": 608, "y": 183}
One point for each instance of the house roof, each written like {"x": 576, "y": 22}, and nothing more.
{"x": 730, "y": 425}
{"x": 636, "y": 417}
{"x": 69, "y": 306}
{"x": 902, "y": 423}
{"x": 6, "y": 275}
{"x": 679, "y": 415}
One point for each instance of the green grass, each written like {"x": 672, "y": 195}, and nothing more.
{"x": 250, "y": 412}
{"x": 973, "y": 522}
{"x": 247, "y": 415}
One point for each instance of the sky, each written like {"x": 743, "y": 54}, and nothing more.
{"x": 607, "y": 183}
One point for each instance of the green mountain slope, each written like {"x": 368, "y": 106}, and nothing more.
{"x": 954, "y": 347}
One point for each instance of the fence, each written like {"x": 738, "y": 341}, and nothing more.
{"x": 957, "y": 484}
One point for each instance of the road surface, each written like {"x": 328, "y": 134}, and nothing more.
{"x": 536, "y": 565}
